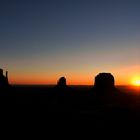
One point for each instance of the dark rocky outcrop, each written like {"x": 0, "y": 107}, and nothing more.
{"x": 3, "y": 79}
{"x": 61, "y": 82}
{"x": 104, "y": 81}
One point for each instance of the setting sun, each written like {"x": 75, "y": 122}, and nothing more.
{"x": 136, "y": 81}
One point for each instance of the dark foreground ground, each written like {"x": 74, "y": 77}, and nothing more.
{"x": 45, "y": 104}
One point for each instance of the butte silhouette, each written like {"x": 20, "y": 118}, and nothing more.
{"x": 3, "y": 79}
{"x": 61, "y": 86}
{"x": 104, "y": 84}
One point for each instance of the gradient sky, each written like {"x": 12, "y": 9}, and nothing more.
{"x": 43, "y": 40}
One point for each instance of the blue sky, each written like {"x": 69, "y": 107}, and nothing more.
{"x": 73, "y": 38}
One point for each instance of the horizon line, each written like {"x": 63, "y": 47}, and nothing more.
{"x": 67, "y": 85}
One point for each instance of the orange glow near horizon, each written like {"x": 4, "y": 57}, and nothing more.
{"x": 127, "y": 75}
{"x": 52, "y": 81}
{"x": 75, "y": 80}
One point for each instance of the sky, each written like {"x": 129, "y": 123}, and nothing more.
{"x": 42, "y": 40}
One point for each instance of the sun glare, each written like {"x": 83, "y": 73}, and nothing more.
{"x": 136, "y": 81}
